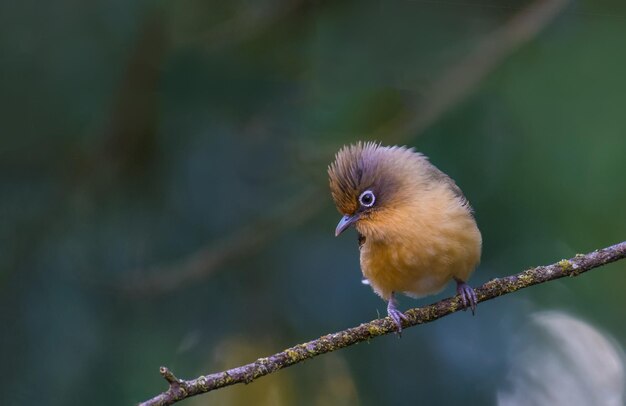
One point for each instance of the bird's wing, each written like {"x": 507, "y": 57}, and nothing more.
{"x": 439, "y": 176}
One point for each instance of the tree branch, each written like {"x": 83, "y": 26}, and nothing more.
{"x": 213, "y": 255}
{"x": 181, "y": 389}
{"x": 459, "y": 80}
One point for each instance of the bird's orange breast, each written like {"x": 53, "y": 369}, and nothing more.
{"x": 420, "y": 255}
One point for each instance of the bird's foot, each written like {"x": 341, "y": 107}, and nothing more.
{"x": 396, "y": 315}
{"x": 467, "y": 294}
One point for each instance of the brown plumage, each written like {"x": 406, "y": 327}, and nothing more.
{"x": 416, "y": 229}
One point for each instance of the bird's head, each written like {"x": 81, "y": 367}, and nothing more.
{"x": 371, "y": 185}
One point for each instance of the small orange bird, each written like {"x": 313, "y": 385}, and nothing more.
{"x": 416, "y": 229}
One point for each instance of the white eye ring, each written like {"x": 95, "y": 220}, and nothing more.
{"x": 367, "y": 198}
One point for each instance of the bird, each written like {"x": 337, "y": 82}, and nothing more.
{"x": 416, "y": 230}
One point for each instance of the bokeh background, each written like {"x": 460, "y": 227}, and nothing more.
{"x": 164, "y": 198}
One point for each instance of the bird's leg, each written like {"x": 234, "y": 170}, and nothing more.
{"x": 396, "y": 315}
{"x": 467, "y": 294}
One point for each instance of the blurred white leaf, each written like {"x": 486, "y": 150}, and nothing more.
{"x": 561, "y": 360}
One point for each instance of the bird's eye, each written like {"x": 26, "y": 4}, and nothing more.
{"x": 367, "y": 198}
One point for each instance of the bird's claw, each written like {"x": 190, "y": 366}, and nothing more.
{"x": 396, "y": 315}
{"x": 467, "y": 295}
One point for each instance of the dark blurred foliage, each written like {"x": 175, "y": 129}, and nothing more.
{"x": 137, "y": 137}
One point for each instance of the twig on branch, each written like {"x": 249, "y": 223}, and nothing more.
{"x": 181, "y": 389}
{"x": 446, "y": 92}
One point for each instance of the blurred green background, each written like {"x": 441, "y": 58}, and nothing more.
{"x": 164, "y": 198}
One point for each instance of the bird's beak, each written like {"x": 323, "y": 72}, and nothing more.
{"x": 345, "y": 222}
